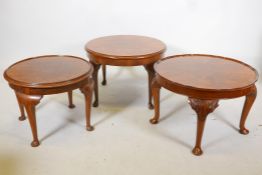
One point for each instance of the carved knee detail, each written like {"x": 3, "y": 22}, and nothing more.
{"x": 203, "y": 107}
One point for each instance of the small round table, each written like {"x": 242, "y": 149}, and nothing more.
{"x": 124, "y": 50}
{"x": 205, "y": 79}
{"x": 35, "y": 77}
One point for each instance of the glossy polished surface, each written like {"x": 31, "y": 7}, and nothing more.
{"x": 46, "y": 70}
{"x": 124, "y": 50}
{"x": 205, "y": 79}
{"x": 206, "y": 72}
{"x": 35, "y": 77}
{"x": 125, "y": 46}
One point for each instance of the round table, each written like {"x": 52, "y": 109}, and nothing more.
{"x": 35, "y": 77}
{"x": 205, "y": 79}
{"x": 124, "y": 50}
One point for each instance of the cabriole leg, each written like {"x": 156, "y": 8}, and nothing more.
{"x": 150, "y": 71}
{"x": 250, "y": 98}
{"x": 87, "y": 90}
{"x": 156, "y": 94}
{"x": 202, "y": 108}
{"x": 21, "y": 107}
{"x": 95, "y": 78}
{"x": 30, "y": 101}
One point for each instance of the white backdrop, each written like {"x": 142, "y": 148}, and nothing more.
{"x": 230, "y": 28}
{"x": 124, "y": 142}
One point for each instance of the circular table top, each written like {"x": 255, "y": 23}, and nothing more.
{"x": 125, "y": 47}
{"x": 206, "y": 72}
{"x": 48, "y": 71}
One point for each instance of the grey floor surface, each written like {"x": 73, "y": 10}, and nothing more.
{"x": 124, "y": 142}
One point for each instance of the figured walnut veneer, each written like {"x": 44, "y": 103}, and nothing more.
{"x": 124, "y": 50}
{"x": 205, "y": 79}
{"x": 35, "y": 77}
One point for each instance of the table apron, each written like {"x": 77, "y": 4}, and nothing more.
{"x": 125, "y": 61}
{"x": 203, "y": 94}
{"x": 49, "y": 91}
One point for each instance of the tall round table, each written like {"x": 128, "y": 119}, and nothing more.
{"x": 124, "y": 50}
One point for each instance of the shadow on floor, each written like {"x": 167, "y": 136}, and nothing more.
{"x": 68, "y": 120}
{"x": 219, "y": 117}
{"x": 171, "y": 113}
{"x": 174, "y": 138}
